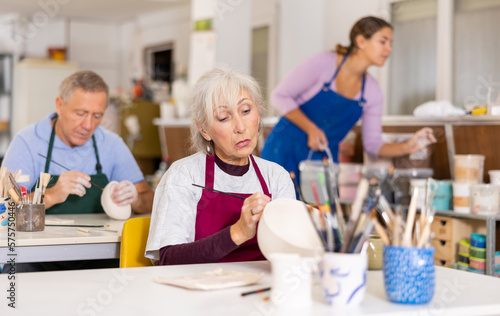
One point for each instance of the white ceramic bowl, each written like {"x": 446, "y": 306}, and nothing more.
{"x": 285, "y": 227}
{"x": 112, "y": 210}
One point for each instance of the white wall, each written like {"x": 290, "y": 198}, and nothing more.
{"x": 94, "y": 45}
{"x": 151, "y": 30}
{"x": 234, "y": 30}
{"x": 301, "y": 32}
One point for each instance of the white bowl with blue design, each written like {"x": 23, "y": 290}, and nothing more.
{"x": 409, "y": 274}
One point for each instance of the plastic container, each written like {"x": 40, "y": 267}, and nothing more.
{"x": 349, "y": 176}
{"x": 309, "y": 169}
{"x": 469, "y": 168}
{"x": 461, "y": 197}
{"x": 494, "y": 177}
{"x": 401, "y": 182}
{"x": 30, "y": 217}
{"x": 444, "y": 194}
{"x": 380, "y": 172}
{"x": 485, "y": 199}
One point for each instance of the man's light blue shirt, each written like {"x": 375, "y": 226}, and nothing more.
{"x": 117, "y": 161}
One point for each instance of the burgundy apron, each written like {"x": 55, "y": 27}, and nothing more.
{"x": 216, "y": 211}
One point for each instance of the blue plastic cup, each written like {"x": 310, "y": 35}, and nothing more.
{"x": 409, "y": 274}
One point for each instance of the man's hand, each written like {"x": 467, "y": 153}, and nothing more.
{"x": 69, "y": 182}
{"x": 124, "y": 193}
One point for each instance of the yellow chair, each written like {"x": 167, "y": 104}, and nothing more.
{"x": 134, "y": 237}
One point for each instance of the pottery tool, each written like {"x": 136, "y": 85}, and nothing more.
{"x": 14, "y": 195}
{"x": 316, "y": 223}
{"x": 361, "y": 193}
{"x": 297, "y": 187}
{"x": 45, "y": 181}
{"x": 380, "y": 230}
{"x": 330, "y": 227}
{"x": 255, "y": 291}
{"x": 332, "y": 220}
{"x": 15, "y": 185}
{"x": 365, "y": 234}
{"x": 412, "y": 210}
{"x": 424, "y": 239}
{"x": 221, "y": 192}
{"x": 333, "y": 196}
{"x": 66, "y": 168}
{"x": 75, "y": 225}
{"x": 83, "y": 230}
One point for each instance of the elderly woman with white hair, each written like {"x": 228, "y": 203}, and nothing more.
{"x": 194, "y": 225}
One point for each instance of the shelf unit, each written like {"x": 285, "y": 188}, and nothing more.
{"x": 490, "y": 222}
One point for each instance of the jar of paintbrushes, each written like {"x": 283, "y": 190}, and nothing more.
{"x": 344, "y": 263}
{"x": 408, "y": 261}
{"x": 31, "y": 212}
{"x": 29, "y": 208}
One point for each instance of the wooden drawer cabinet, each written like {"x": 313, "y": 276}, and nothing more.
{"x": 447, "y": 233}
{"x": 442, "y": 227}
{"x": 444, "y": 249}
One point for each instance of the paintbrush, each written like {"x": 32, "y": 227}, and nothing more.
{"x": 297, "y": 187}
{"x": 68, "y": 169}
{"x": 333, "y": 196}
{"x": 75, "y": 225}
{"x": 316, "y": 224}
{"x": 221, "y": 192}
{"x": 15, "y": 185}
{"x": 357, "y": 205}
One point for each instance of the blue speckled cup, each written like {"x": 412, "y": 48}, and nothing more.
{"x": 409, "y": 274}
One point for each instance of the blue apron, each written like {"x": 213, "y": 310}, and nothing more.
{"x": 330, "y": 111}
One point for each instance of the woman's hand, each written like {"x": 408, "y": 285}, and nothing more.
{"x": 316, "y": 139}
{"x": 421, "y": 139}
{"x": 251, "y": 211}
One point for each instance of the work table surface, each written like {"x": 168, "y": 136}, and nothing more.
{"x": 132, "y": 291}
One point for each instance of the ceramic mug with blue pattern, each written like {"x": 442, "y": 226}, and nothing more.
{"x": 409, "y": 274}
{"x": 343, "y": 278}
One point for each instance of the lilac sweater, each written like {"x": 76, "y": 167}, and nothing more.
{"x": 306, "y": 80}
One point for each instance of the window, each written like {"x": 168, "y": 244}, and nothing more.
{"x": 476, "y": 49}
{"x": 260, "y": 56}
{"x": 443, "y": 49}
{"x": 413, "y": 58}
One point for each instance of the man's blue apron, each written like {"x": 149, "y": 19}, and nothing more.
{"x": 330, "y": 111}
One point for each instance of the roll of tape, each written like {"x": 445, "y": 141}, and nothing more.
{"x": 464, "y": 245}
{"x": 478, "y": 240}
{"x": 463, "y": 259}
{"x": 478, "y": 264}
{"x": 463, "y": 266}
{"x": 478, "y": 252}
{"x": 476, "y": 271}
